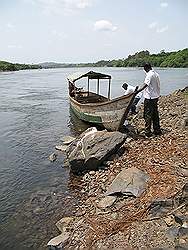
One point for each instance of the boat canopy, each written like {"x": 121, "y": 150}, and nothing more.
{"x": 91, "y": 75}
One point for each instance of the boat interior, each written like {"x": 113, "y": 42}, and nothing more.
{"x": 89, "y": 97}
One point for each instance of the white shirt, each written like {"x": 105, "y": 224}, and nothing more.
{"x": 152, "y": 91}
{"x": 131, "y": 89}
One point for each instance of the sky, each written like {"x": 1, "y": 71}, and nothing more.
{"x": 73, "y": 31}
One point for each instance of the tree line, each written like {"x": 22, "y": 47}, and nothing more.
{"x": 177, "y": 59}
{"x": 7, "y": 66}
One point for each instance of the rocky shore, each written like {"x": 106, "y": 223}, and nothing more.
{"x": 153, "y": 216}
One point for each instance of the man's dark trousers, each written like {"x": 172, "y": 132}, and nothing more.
{"x": 151, "y": 115}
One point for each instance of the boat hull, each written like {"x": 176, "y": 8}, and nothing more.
{"x": 108, "y": 114}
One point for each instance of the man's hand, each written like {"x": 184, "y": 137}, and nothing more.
{"x": 142, "y": 87}
{"x": 136, "y": 90}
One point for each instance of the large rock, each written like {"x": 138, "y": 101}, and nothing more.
{"x": 161, "y": 207}
{"x": 93, "y": 147}
{"x": 59, "y": 241}
{"x": 131, "y": 181}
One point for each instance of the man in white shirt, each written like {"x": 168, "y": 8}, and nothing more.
{"x": 128, "y": 90}
{"x": 151, "y": 94}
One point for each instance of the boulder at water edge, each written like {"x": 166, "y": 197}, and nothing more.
{"x": 93, "y": 147}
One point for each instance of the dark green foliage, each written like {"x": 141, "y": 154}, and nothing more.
{"x": 163, "y": 59}
{"x": 6, "y": 66}
{"x": 178, "y": 59}
{"x": 170, "y": 59}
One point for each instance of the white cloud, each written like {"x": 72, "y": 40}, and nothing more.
{"x": 162, "y": 29}
{"x": 61, "y": 6}
{"x": 29, "y": 1}
{"x": 155, "y": 26}
{"x": 59, "y": 34}
{"x": 80, "y": 4}
{"x": 152, "y": 25}
{"x": 10, "y": 26}
{"x": 13, "y": 46}
{"x": 104, "y": 25}
{"x": 108, "y": 45}
{"x": 164, "y": 5}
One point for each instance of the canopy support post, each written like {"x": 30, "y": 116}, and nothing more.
{"x": 88, "y": 86}
{"x": 109, "y": 86}
{"x": 98, "y": 86}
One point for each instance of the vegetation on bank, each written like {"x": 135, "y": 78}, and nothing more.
{"x": 6, "y": 66}
{"x": 177, "y": 59}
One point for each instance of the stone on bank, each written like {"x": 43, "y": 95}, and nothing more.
{"x": 59, "y": 241}
{"x": 130, "y": 182}
{"x": 92, "y": 148}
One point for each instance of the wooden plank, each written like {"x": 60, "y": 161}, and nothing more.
{"x": 127, "y": 109}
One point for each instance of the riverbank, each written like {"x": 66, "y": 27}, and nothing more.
{"x": 131, "y": 222}
{"x": 7, "y": 66}
{"x": 174, "y": 59}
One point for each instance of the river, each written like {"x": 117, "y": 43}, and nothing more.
{"x": 34, "y": 115}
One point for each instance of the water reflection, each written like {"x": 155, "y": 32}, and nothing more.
{"x": 76, "y": 125}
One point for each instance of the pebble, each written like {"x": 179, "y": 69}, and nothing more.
{"x": 92, "y": 172}
{"x": 106, "y": 202}
{"x": 183, "y": 172}
{"x": 52, "y": 157}
{"x": 87, "y": 177}
{"x": 169, "y": 220}
{"x": 61, "y": 148}
{"x": 129, "y": 140}
{"x": 67, "y": 139}
{"x": 114, "y": 216}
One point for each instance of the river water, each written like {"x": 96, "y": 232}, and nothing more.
{"x": 34, "y": 115}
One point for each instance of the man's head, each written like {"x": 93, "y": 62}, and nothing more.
{"x": 147, "y": 67}
{"x": 124, "y": 86}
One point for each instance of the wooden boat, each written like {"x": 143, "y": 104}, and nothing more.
{"x": 95, "y": 108}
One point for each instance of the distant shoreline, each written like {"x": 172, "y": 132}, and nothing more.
{"x": 178, "y": 59}
{"x": 10, "y": 67}
{"x": 3, "y": 71}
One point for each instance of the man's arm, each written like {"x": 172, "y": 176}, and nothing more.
{"x": 145, "y": 84}
{"x": 142, "y": 87}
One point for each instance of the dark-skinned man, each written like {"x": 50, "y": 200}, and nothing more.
{"x": 151, "y": 93}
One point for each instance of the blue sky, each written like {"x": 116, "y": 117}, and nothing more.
{"x": 34, "y": 31}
